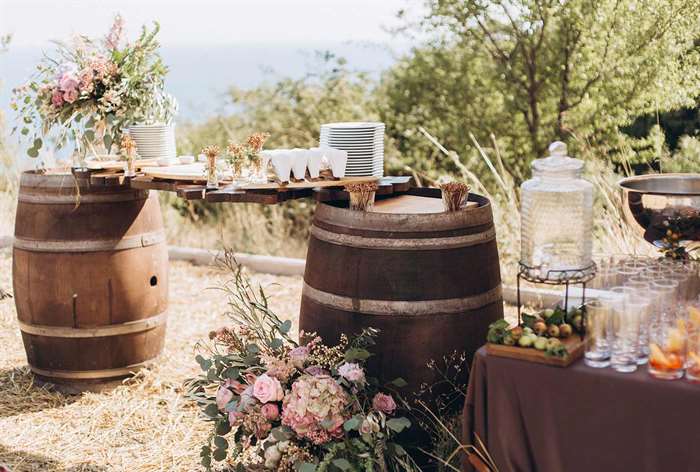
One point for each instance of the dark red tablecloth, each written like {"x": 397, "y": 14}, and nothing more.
{"x": 539, "y": 418}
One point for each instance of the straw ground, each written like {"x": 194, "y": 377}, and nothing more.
{"x": 145, "y": 424}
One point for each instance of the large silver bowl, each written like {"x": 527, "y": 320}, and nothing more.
{"x": 657, "y": 203}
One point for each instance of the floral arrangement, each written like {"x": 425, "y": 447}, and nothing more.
{"x": 278, "y": 404}
{"x": 91, "y": 89}
{"x": 128, "y": 150}
{"x": 362, "y": 195}
{"x": 211, "y": 152}
{"x": 454, "y": 195}
{"x": 236, "y": 157}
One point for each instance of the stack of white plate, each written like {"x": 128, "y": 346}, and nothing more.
{"x": 364, "y": 143}
{"x": 154, "y": 141}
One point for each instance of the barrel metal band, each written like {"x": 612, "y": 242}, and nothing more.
{"x": 89, "y": 374}
{"x": 97, "y": 331}
{"x": 73, "y": 199}
{"x": 395, "y": 307}
{"x": 129, "y": 242}
{"x": 403, "y": 244}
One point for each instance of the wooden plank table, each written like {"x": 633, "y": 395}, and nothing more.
{"x": 324, "y": 191}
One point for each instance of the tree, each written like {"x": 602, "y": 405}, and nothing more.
{"x": 555, "y": 69}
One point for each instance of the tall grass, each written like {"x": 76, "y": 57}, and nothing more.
{"x": 611, "y": 233}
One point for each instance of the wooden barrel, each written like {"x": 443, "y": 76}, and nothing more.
{"x": 429, "y": 280}
{"x": 90, "y": 275}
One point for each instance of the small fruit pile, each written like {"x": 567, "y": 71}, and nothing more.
{"x": 542, "y": 331}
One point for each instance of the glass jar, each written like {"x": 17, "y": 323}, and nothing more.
{"x": 556, "y": 218}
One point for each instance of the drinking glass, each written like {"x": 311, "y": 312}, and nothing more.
{"x": 623, "y": 273}
{"x": 642, "y": 289}
{"x": 625, "y": 328}
{"x": 692, "y": 371}
{"x": 598, "y": 333}
{"x": 667, "y": 348}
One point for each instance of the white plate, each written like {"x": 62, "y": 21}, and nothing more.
{"x": 353, "y": 124}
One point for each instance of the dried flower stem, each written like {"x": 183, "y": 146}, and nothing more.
{"x": 454, "y": 195}
{"x": 362, "y": 195}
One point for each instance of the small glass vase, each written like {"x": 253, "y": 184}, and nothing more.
{"x": 258, "y": 173}
{"x": 238, "y": 177}
{"x": 212, "y": 174}
{"x": 130, "y": 167}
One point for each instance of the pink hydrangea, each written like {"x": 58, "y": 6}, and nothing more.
{"x": 315, "y": 408}
{"x": 352, "y": 372}
{"x": 384, "y": 403}
{"x": 267, "y": 389}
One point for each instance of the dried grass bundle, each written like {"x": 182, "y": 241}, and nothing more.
{"x": 362, "y": 195}
{"x": 454, "y": 195}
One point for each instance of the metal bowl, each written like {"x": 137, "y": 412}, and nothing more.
{"x": 662, "y": 206}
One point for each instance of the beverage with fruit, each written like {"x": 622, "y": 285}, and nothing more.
{"x": 667, "y": 349}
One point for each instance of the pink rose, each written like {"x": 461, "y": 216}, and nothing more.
{"x": 234, "y": 417}
{"x": 237, "y": 387}
{"x": 270, "y": 411}
{"x": 70, "y": 95}
{"x": 384, "y": 403}
{"x": 267, "y": 389}
{"x": 352, "y": 372}
{"x": 223, "y": 396}
{"x": 68, "y": 81}
{"x": 298, "y": 356}
{"x": 57, "y": 98}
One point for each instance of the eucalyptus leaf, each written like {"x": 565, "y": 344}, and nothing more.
{"x": 220, "y": 442}
{"x": 33, "y": 152}
{"x": 211, "y": 410}
{"x": 219, "y": 454}
{"x": 398, "y": 424}
{"x": 342, "y": 464}
{"x": 285, "y": 326}
{"x": 307, "y": 467}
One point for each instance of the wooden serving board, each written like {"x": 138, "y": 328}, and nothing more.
{"x": 195, "y": 173}
{"x": 575, "y": 345}
{"x": 118, "y": 165}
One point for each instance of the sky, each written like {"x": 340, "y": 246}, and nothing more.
{"x": 194, "y": 22}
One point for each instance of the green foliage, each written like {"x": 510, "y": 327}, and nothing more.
{"x": 531, "y": 71}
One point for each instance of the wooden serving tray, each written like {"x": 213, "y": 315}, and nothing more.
{"x": 118, "y": 165}
{"x": 195, "y": 173}
{"x": 575, "y": 345}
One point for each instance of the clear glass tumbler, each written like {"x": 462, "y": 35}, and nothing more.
{"x": 642, "y": 290}
{"x": 625, "y": 325}
{"x": 598, "y": 333}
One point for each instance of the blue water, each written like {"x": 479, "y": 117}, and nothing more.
{"x": 200, "y": 76}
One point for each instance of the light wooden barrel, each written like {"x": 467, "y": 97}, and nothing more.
{"x": 429, "y": 280}
{"x": 90, "y": 275}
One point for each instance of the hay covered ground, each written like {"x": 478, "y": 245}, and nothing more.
{"x": 145, "y": 425}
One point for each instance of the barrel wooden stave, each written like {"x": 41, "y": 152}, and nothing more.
{"x": 90, "y": 275}
{"x": 431, "y": 283}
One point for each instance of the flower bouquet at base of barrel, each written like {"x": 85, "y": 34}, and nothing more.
{"x": 278, "y": 404}
{"x": 554, "y": 333}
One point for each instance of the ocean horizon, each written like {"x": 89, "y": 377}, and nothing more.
{"x": 200, "y": 76}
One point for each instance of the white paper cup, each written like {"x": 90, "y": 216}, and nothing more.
{"x": 282, "y": 164}
{"x": 300, "y": 160}
{"x": 315, "y": 158}
{"x": 339, "y": 160}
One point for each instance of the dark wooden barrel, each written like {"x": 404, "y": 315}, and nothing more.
{"x": 90, "y": 275}
{"x": 429, "y": 280}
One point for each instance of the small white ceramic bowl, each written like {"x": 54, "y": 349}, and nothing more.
{"x": 186, "y": 159}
